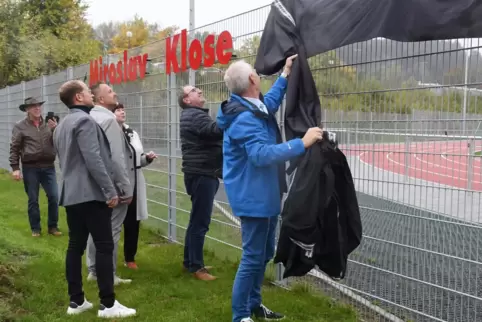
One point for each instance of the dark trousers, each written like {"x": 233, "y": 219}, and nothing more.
{"x": 32, "y": 179}
{"x": 131, "y": 231}
{"x": 83, "y": 219}
{"x": 202, "y": 190}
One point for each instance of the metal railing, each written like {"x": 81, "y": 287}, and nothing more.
{"x": 408, "y": 117}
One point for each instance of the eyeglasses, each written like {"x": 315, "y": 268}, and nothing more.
{"x": 193, "y": 90}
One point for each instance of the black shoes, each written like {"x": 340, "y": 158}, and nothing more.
{"x": 263, "y": 313}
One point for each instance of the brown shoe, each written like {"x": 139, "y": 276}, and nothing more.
{"x": 35, "y": 234}
{"x": 131, "y": 265}
{"x": 54, "y": 232}
{"x": 204, "y": 275}
{"x": 184, "y": 268}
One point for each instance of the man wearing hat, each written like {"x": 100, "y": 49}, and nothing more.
{"x": 32, "y": 144}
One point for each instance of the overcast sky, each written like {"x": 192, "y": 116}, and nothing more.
{"x": 174, "y": 13}
{"x": 177, "y": 13}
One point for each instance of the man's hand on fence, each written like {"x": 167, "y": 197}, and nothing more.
{"x": 16, "y": 175}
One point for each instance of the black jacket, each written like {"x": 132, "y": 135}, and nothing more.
{"x": 321, "y": 219}
{"x": 201, "y": 143}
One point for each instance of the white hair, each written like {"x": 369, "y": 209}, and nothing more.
{"x": 237, "y": 75}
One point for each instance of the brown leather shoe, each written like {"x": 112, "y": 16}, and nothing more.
{"x": 184, "y": 268}
{"x": 204, "y": 275}
{"x": 54, "y": 232}
{"x": 131, "y": 265}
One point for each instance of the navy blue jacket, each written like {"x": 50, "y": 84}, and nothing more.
{"x": 201, "y": 143}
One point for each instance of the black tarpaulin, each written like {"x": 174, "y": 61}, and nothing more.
{"x": 323, "y": 25}
{"x": 311, "y": 27}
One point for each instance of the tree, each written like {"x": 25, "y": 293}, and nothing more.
{"x": 345, "y": 81}
{"x": 11, "y": 39}
{"x": 42, "y": 36}
{"x": 106, "y": 31}
{"x": 65, "y": 28}
{"x": 142, "y": 33}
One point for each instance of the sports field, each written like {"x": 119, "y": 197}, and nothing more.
{"x": 421, "y": 212}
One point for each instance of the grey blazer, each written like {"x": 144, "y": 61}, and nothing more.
{"x": 84, "y": 156}
{"x": 122, "y": 154}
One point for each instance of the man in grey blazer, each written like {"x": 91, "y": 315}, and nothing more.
{"x": 105, "y": 100}
{"x": 88, "y": 191}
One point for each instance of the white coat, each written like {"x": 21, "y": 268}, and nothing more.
{"x": 140, "y": 162}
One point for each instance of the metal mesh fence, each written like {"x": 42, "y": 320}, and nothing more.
{"x": 408, "y": 117}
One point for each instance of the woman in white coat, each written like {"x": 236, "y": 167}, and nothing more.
{"x": 137, "y": 210}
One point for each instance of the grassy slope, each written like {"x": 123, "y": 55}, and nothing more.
{"x": 33, "y": 287}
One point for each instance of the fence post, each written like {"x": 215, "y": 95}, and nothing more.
{"x": 172, "y": 160}
{"x": 44, "y": 87}
{"x": 70, "y": 73}
{"x": 470, "y": 169}
{"x": 23, "y": 91}
{"x": 371, "y": 127}
{"x": 9, "y": 124}
{"x": 141, "y": 117}
{"x": 348, "y": 129}
{"x": 279, "y": 269}
{"x": 356, "y": 131}
{"x": 407, "y": 148}
{"x": 192, "y": 26}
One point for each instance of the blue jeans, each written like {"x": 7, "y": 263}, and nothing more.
{"x": 32, "y": 179}
{"x": 258, "y": 237}
{"x": 202, "y": 190}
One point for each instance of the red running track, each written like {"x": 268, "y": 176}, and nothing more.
{"x": 440, "y": 162}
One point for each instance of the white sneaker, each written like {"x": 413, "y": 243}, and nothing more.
{"x": 116, "y": 311}
{"x": 118, "y": 280}
{"x": 92, "y": 277}
{"x": 247, "y": 320}
{"x": 74, "y": 308}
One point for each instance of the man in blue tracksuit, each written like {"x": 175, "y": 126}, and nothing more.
{"x": 253, "y": 172}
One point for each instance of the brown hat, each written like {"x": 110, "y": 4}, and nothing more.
{"x": 29, "y": 101}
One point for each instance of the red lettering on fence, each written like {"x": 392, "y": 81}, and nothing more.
{"x": 126, "y": 70}
{"x": 198, "y": 54}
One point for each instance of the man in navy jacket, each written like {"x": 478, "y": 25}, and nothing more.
{"x": 201, "y": 145}
{"x": 254, "y": 159}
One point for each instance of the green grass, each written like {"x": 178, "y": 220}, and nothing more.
{"x": 478, "y": 153}
{"x": 33, "y": 287}
{"x": 160, "y": 194}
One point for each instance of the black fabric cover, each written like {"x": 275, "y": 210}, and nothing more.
{"x": 323, "y": 25}
{"x": 311, "y": 27}
{"x": 322, "y": 207}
